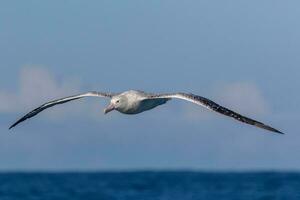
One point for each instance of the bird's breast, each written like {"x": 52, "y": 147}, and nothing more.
{"x": 143, "y": 105}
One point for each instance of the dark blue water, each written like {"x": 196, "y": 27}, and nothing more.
{"x": 150, "y": 185}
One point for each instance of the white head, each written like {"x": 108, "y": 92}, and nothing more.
{"x": 116, "y": 103}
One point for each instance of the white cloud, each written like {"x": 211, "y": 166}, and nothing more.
{"x": 36, "y": 86}
{"x": 8, "y": 101}
{"x": 243, "y": 97}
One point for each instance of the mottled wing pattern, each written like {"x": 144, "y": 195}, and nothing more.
{"x": 60, "y": 101}
{"x": 215, "y": 107}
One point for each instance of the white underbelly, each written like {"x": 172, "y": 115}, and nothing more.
{"x": 142, "y": 106}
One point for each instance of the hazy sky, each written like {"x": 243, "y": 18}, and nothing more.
{"x": 243, "y": 54}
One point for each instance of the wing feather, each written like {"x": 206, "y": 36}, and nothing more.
{"x": 60, "y": 101}
{"x": 209, "y": 104}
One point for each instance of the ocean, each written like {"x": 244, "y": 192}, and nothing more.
{"x": 150, "y": 185}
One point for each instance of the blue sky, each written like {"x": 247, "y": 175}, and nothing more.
{"x": 242, "y": 54}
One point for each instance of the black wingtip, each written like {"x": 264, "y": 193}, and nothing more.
{"x": 268, "y": 128}
{"x": 280, "y": 132}
{"x": 14, "y": 125}
{"x": 11, "y": 127}
{"x": 276, "y": 131}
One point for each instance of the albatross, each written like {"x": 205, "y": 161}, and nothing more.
{"x": 134, "y": 102}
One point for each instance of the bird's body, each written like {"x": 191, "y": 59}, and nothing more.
{"x": 134, "y": 102}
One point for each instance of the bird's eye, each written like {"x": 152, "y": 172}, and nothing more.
{"x": 118, "y": 101}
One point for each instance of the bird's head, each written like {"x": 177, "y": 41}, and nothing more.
{"x": 116, "y": 103}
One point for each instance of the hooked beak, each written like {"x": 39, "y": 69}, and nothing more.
{"x": 109, "y": 108}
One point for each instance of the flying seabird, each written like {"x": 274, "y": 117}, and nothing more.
{"x": 134, "y": 102}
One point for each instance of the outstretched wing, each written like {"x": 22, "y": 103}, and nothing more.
{"x": 60, "y": 101}
{"x": 215, "y": 107}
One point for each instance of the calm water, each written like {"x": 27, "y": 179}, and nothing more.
{"x": 150, "y": 185}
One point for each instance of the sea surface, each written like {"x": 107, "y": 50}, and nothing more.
{"x": 148, "y": 185}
